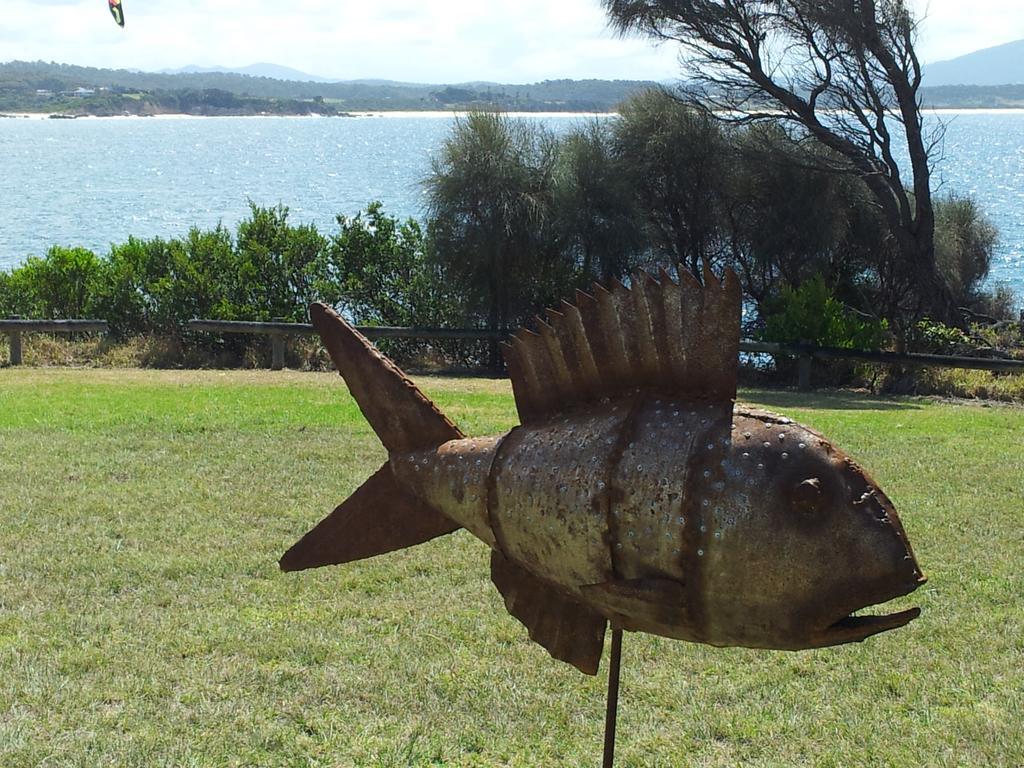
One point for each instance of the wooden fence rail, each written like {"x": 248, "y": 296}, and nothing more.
{"x": 278, "y": 331}
{"x": 804, "y": 353}
{"x": 370, "y": 331}
{"x": 14, "y": 327}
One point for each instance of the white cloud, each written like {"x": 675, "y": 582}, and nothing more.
{"x": 951, "y": 28}
{"x": 441, "y": 41}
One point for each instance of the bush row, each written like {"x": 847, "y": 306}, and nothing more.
{"x": 269, "y": 268}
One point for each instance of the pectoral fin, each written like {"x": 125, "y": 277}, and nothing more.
{"x": 640, "y": 605}
{"x": 566, "y": 628}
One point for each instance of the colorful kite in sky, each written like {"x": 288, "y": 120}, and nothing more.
{"x": 117, "y": 11}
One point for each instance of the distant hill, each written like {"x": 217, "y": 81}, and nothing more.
{"x": 973, "y": 97}
{"x": 1001, "y": 65}
{"x": 50, "y": 87}
{"x": 274, "y": 71}
{"x": 65, "y": 88}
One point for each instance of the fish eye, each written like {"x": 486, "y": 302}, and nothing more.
{"x": 807, "y": 495}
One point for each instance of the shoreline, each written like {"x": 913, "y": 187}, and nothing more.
{"x": 386, "y": 114}
{"x": 436, "y": 114}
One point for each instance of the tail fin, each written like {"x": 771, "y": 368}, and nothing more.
{"x": 402, "y": 416}
{"x": 379, "y": 517}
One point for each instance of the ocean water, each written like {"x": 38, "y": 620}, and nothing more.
{"x": 93, "y": 182}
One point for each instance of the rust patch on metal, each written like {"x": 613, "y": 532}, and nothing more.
{"x": 386, "y": 396}
{"x": 681, "y": 340}
{"x": 500, "y": 544}
{"x": 612, "y": 500}
{"x": 454, "y": 478}
{"x": 550, "y": 494}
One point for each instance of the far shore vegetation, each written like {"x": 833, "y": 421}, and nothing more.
{"x": 40, "y": 87}
{"x": 68, "y": 90}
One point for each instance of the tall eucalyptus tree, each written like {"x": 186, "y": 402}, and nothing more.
{"x": 490, "y": 198}
{"x": 841, "y": 72}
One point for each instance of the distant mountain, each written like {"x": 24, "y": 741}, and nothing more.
{"x": 1001, "y": 65}
{"x": 280, "y": 72}
{"x": 379, "y": 81}
{"x": 261, "y": 69}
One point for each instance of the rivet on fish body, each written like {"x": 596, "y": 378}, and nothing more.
{"x": 634, "y": 491}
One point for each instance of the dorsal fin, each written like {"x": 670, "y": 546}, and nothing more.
{"x": 681, "y": 339}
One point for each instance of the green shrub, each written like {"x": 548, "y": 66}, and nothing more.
{"x": 382, "y": 273}
{"x": 932, "y": 337}
{"x": 120, "y": 291}
{"x": 998, "y": 303}
{"x": 810, "y": 313}
{"x": 959, "y": 382}
{"x": 279, "y": 268}
{"x": 57, "y": 286}
{"x": 186, "y": 279}
{"x": 965, "y": 241}
{"x": 8, "y": 297}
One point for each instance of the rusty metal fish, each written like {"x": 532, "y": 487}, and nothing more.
{"x": 634, "y": 491}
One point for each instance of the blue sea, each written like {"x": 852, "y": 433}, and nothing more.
{"x": 93, "y": 182}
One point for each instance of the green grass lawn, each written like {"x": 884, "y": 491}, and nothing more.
{"x": 144, "y": 622}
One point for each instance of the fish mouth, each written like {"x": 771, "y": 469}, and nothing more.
{"x": 854, "y": 627}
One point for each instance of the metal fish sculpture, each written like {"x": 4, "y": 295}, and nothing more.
{"x": 116, "y": 11}
{"x": 634, "y": 491}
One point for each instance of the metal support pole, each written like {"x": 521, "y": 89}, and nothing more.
{"x": 15, "y": 337}
{"x": 611, "y": 712}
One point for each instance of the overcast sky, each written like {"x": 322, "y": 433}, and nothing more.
{"x": 432, "y": 41}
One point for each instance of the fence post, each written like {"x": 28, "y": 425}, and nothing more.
{"x": 277, "y": 348}
{"x": 803, "y": 368}
{"x": 15, "y": 337}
